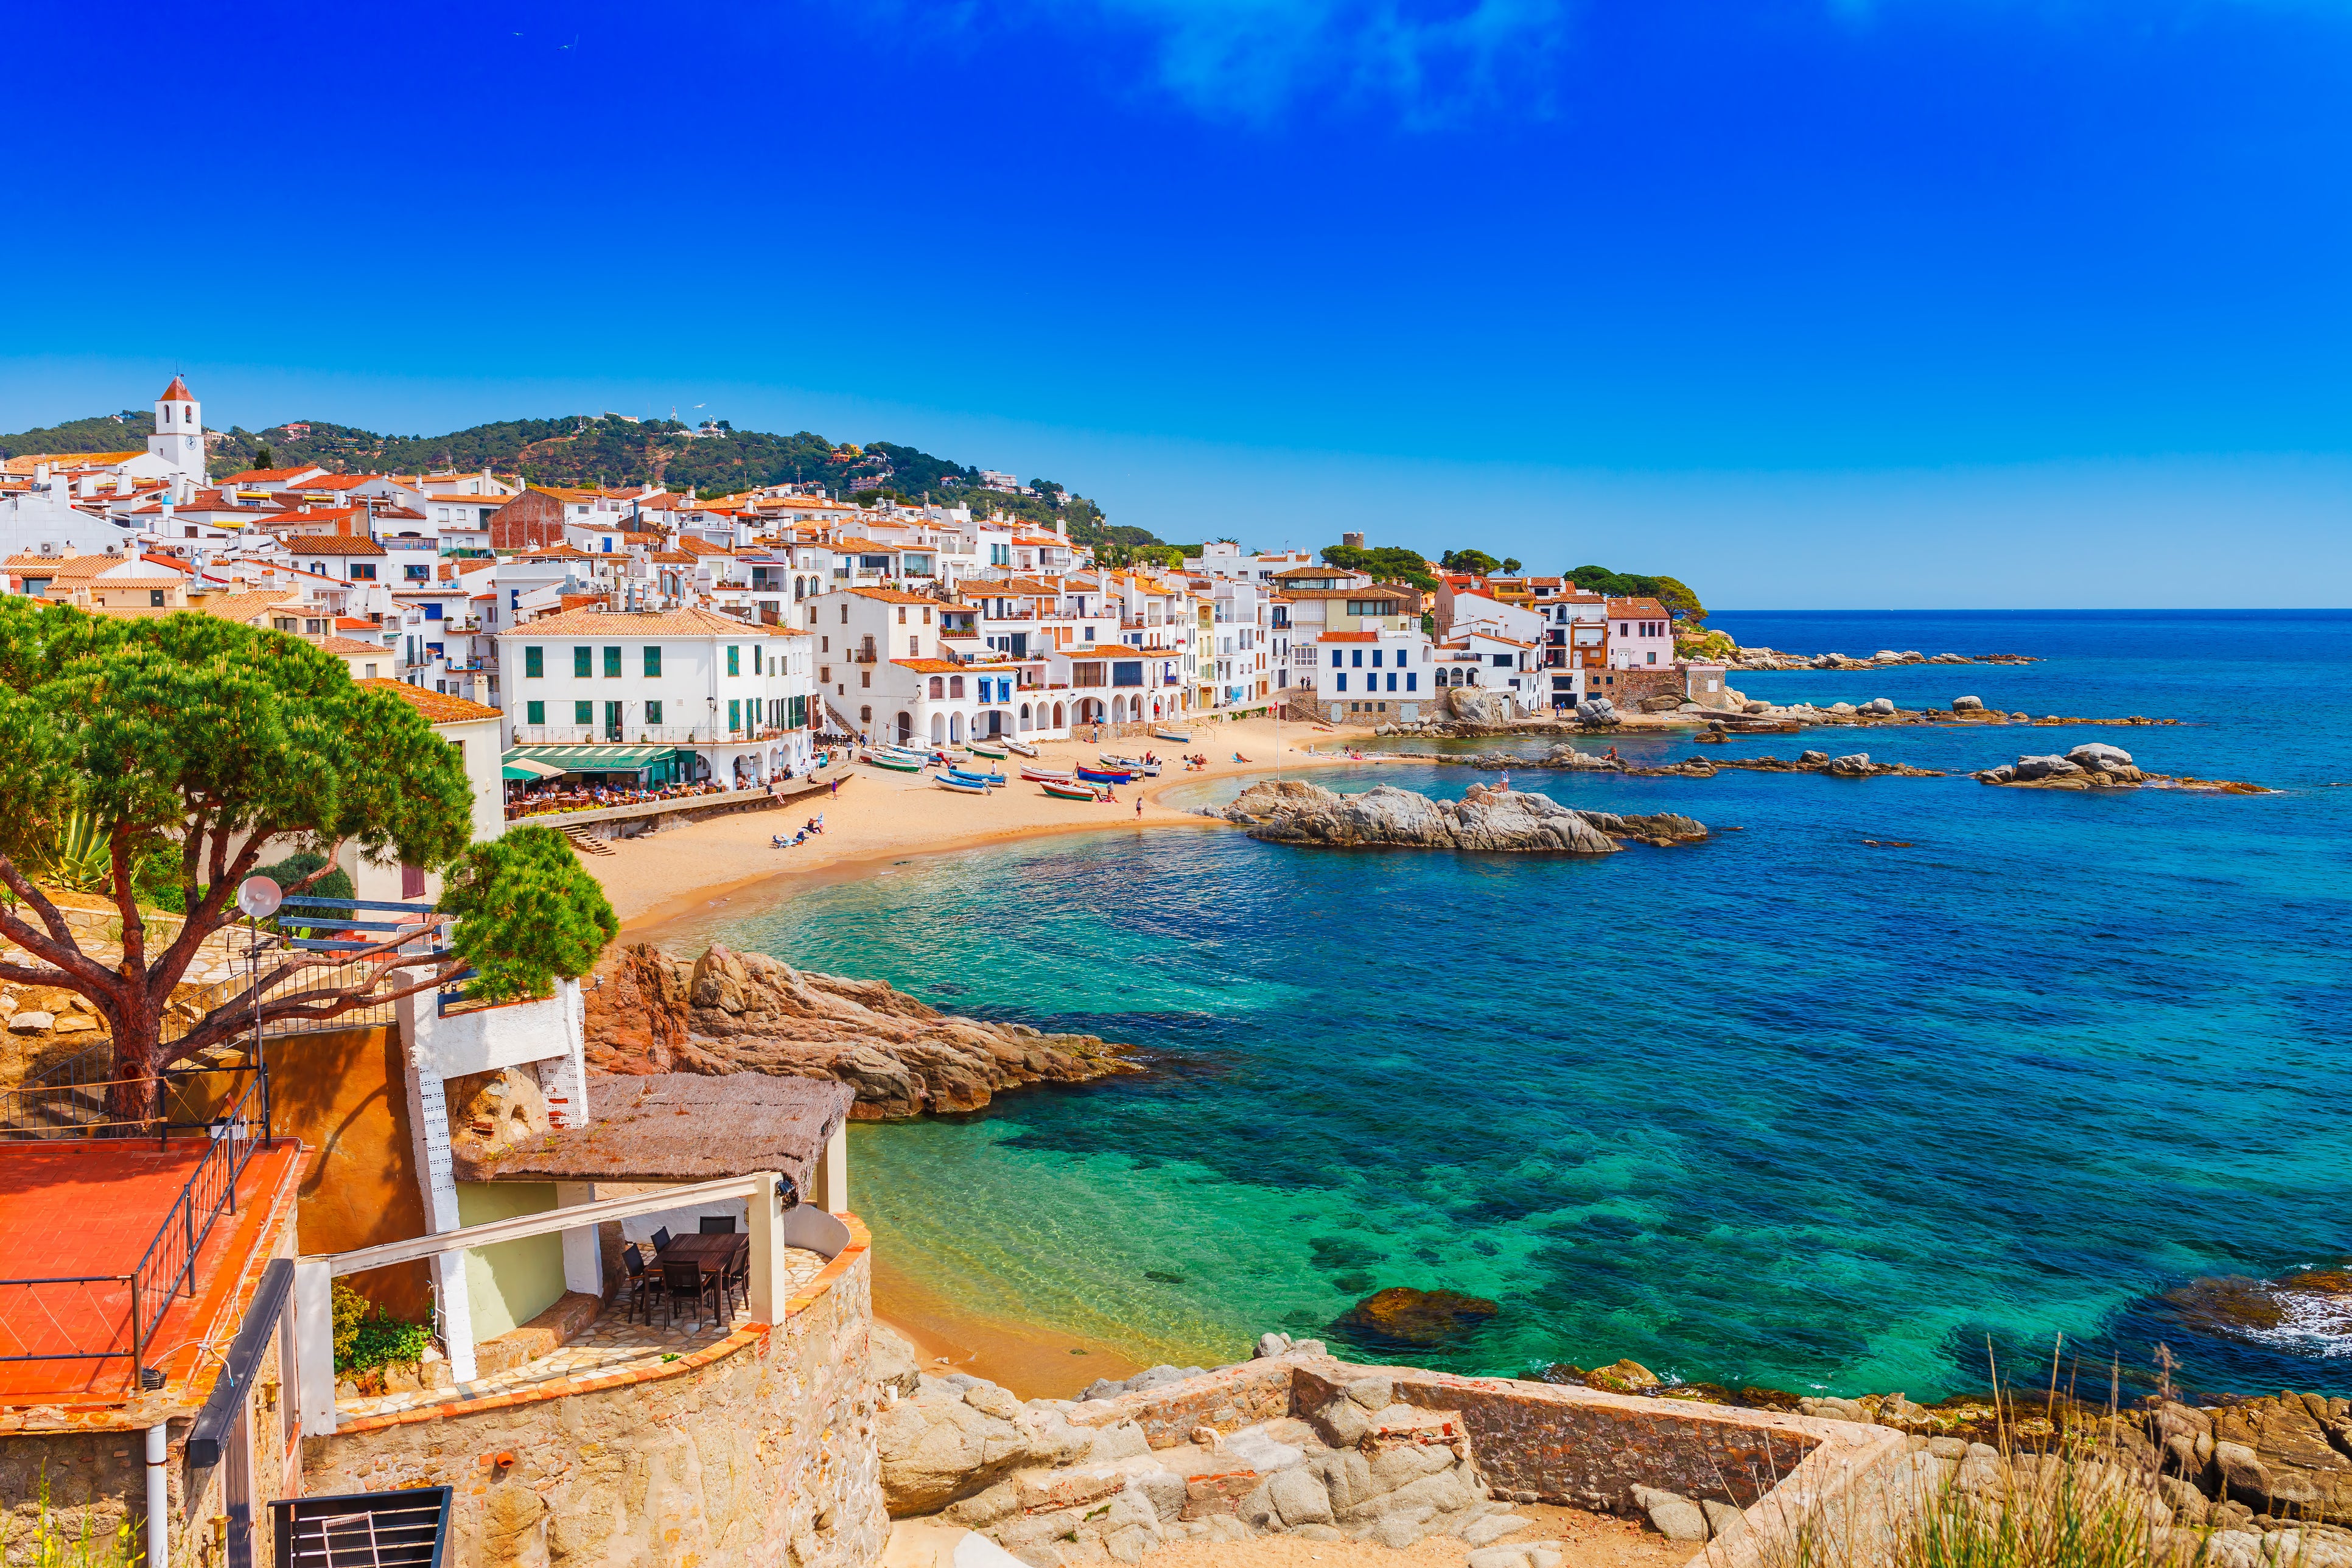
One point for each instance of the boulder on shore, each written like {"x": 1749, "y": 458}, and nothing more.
{"x": 1288, "y": 811}
{"x": 745, "y": 1011}
{"x": 1968, "y": 704}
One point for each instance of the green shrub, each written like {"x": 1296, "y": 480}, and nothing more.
{"x": 366, "y": 1338}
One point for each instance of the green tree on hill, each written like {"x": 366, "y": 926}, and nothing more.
{"x": 1476, "y": 561}
{"x": 1679, "y": 601}
{"x": 196, "y": 746}
{"x": 1388, "y": 563}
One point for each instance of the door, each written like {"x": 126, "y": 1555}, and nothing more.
{"x": 611, "y": 720}
{"x": 1021, "y": 645}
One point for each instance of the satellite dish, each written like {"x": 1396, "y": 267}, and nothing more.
{"x": 259, "y": 896}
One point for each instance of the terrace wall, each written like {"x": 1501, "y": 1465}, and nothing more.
{"x": 759, "y": 1450}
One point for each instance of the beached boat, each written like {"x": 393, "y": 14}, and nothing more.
{"x": 1181, "y": 739}
{"x": 984, "y": 749}
{"x": 1020, "y": 748}
{"x": 896, "y": 763}
{"x": 1106, "y": 775}
{"x": 1069, "y": 791}
{"x": 964, "y": 775}
{"x": 1149, "y": 770}
{"x": 1049, "y": 775}
{"x": 961, "y": 786}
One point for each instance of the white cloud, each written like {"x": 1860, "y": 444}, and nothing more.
{"x": 1254, "y": 60}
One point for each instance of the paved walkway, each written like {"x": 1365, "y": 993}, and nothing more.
{"x": 610, "y": 1343}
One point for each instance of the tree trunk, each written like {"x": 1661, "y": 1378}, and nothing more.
{"x": 136, "y": 1094}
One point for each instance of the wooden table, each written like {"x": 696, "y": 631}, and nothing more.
{"x": 709, "y": 1251}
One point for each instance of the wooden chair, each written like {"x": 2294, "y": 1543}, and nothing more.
{"x": 639, "y": 1285}
{"x": 736, "y": 1275}
{"x": 686, "y": 1282}
{"x": 719, "y": 1224}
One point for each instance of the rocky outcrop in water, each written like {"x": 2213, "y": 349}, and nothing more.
{"x": 746, "y": 1012}
{"x": 1884, "y": 658}
{"x": 1286, "y": 811}
{"x": 2097, "y": 765}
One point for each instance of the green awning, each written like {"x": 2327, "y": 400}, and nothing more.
{"x": 592, "y": 758}
{"x": 524, "y": 768}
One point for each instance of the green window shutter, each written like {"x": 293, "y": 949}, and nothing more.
{"x": 534, "y": 713}
{"x": 734, "y": 710}
{"x": 653, "y": 663}
{"x": 584, "y": 712}
{"x": 612, "y": 664}
{"x": 653, "y": 713}
{"x": 534, "y": 664}
{"x": 734, "y": 661}
{"x": 582, "y": 662}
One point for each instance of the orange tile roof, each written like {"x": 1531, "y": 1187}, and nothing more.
{"x": 177, "y": 393}
{"x": 927, "y": 665}
{"x": 1349, "y": 636}
{"x": 438, "y": 707}
{"x": 893, "y": 596}
{"x": 333, "y": 544}
{"x": 1646, "y": 608}
{"x": 345, "y": 646}
{"x": 281, "y": 476}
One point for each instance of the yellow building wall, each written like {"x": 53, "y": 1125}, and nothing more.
{"x": 512, "y": 1283}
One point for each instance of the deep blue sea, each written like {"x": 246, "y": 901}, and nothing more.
{"x": 1783, "y": 1108}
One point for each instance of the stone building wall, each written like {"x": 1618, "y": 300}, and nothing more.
{"x": 756, "y": 1452}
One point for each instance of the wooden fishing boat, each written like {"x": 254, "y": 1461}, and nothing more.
{"x": 1132, "y": 765}
{"x": 1181, "y": 739}
{"x": 1048, "y": 776}
{"x": 984, "y": 749}
{"x": 987, "y": 780}
{"x": 1105, "y": 775}
{"x": 896, "y": 763}
{"x": 961, "y": 786}
{"x": 1020, "y": 748}
{"x": 1069, "y": 791}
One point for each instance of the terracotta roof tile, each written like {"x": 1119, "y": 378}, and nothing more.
{"x": 438, "y": 708}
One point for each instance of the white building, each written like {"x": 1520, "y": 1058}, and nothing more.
{"x": 686, "y": 694}
{"x": 473, "y": 730}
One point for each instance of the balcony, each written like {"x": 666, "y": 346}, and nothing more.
{"x": 642, "y": 734}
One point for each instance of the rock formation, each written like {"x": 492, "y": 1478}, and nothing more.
{"x": 1403, "y": 1317}
{"x": 1287, "y": 811}
{"x": 2094, "y": 765}
{"x": 730, "y": 1012}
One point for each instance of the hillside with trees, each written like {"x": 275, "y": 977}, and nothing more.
{"x": 606, "y": 449}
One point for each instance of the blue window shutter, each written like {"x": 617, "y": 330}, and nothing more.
{"x": 1341, "y": 681}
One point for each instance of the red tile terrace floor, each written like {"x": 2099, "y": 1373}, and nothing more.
{"x": 93, "y": 1208}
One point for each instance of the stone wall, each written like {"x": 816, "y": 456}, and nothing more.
{"x": 756, "y": 1452}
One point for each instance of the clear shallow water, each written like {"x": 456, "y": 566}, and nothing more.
{"x": 1781, "y": 1108}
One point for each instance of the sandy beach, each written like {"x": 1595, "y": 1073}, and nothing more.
{"x": 875, "y": 814}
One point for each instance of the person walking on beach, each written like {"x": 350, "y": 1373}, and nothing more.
{"x": 837, "y": 786}
{"x": 1139, "y": 809}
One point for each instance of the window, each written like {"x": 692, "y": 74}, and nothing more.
{"x": 939, "y": 687}
{"x": 583, "y": 662}
{"x": 1127, "y": 673}
{"x": 1359, "y": 658}
{"x": 1376, "y": 658}
{"x": 584, "y": 712}
{"x": 1412, "y": 679}
{"x": 902, "y": 615}
{"x": 411, "y": 881}
{"x": 653, "y": 663}
{"x": 1653, "y": 656}
{"x": 914, "y": 647}
{"x": 612, "y": 664}
{"x": 1339, "y": 683}
{"x": 653, "y": 713}
{"x": 433, "y": 612}
{"x": 955, "y": 686}
{"x": 534, "y": 665}
{"x": 1372, "y": 606}
{"x": 534, "y": 713}
{"x": 1502, "y": 661}
{"x": 734, "y": 661}
{"x": 362, "y": 572}
{"x": 1392, "y": 682}
{"x": 734, "y": 713}
{"x": 864, "y": 678}
{"x": 155, "y": 598}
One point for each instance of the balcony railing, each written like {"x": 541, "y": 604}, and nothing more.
{"x": 642, "y": 734}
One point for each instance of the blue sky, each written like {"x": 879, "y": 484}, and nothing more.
{"x": 1828, "y": 303}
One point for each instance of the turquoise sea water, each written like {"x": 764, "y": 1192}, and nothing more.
{"x": 1780, "y": 1108}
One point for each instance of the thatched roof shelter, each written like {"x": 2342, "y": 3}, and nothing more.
{"x": 682, "y": 1127}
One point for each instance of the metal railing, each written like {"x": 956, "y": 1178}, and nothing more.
{"x": 89, "y": 1310}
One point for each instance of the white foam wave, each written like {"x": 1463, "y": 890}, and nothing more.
{"x": 2309, "y": 1324}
